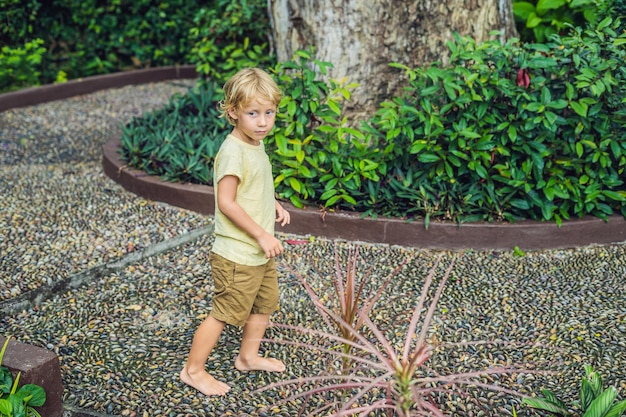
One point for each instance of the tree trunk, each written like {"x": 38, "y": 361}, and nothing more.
{"x": 361, "y": 37}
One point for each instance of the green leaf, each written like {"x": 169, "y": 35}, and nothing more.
{"x": 331, "y": 201}
{"x": 523, "y": 9}
{"x": 469, "y": 134}
{"x": 5, "y": 407}
{"x": 35, "y": 392}
{"x": 328, "y": 194}
{"x": 557, "y": 104}
{"x": 430, "y": 90}
{"x": 550, "y": 117}
{"x": 617, "y": 410}
{"x": 586, "y": 394}
{"x": 532, "y": 22}
{"x": 602, "y": 404}
{"x": 550, "y": 396}
{"x": 520, "y": 204}
{"x": 295, "y": 184}
{"x": 544, "y": 5}
{"x": 428, "y": 157}
{"x": 540, "y": 63}
{"x": 334, "y": 106}
{"x": 543, "y": 404}
{"x": 295, "y": 200}
{"x": 580, "y": 108}
{"x": 19, "y": 410}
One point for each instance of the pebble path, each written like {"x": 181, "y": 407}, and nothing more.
{"x": 125, "y": 282}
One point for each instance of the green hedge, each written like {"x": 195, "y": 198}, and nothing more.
{"x": 89, "y": 37}
{"x": 503, "y": 132}
{"x": 80, "y": 38}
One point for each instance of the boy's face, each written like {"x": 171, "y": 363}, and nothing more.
{"x": 254, "y": 120}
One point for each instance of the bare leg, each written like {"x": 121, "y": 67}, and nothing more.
{"x": 249, "y": 359}
{"x": 194, "y": 373}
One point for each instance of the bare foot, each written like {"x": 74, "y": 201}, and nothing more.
{"x": 204, "y": 383}
{"x": 259, "y": 364}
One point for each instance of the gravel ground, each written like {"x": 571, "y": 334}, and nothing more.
{"x": 136, "y": 283}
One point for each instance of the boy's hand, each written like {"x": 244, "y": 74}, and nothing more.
{"x": 282, "y": 216}
{"x": 270, "y": 245}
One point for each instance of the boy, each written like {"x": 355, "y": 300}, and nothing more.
{"x": 244, "y": 271}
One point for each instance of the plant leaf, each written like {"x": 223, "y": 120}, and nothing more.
{"x": 35, "y": 392}
{"x": 543, "y": 404}
{"x": 617, "y": 410}
{"x": 600, "y": 406}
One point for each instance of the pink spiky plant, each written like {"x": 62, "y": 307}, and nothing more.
{"x": 375, "y": 366}
{"x": 349, "y": 304}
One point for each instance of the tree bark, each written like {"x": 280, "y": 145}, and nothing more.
{"x": 361, "y": 37}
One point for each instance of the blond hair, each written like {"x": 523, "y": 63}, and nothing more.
{"x": 245, "y": 86}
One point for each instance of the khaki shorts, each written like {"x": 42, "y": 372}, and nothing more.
{"x": 241, "y": 290}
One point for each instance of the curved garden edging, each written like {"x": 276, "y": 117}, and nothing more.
{"x": 526, "y": 235}
{"x": 349, "y": 226}
{"x": 51, "y": 92}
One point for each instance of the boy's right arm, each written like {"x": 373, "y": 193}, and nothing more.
{"x": 227, "y": 202}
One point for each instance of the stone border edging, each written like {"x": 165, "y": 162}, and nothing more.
{"x": 439, "y": 235}
{"x": 52, "y": 92}
{"x": 37, "y": 366}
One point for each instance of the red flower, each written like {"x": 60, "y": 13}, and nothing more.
{"x": 523, "y": 79}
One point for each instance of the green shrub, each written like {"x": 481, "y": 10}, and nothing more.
{"x": 315, "y": 155}
{"x": 618, "y": 10}
{"x": 515, "y": 131}
{"x": 228, "y": 36}
{"x": 595, "y": 400}
{"x": 89, "y": 37}
{"x": 18, "y": 18}
{"x": 15, "y": 400}
{"x": 20, "y": 67}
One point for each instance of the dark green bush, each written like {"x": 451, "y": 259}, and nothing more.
{"x": 90, "y": 37}
{"x": 517, "y": 131}
{"x": 503, "y": 132}
{"x": 618, "y": 10}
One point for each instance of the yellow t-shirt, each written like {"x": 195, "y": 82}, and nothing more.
{"x": 255, "y": 194}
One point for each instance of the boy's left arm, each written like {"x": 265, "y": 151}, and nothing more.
{"x": 282, "y": 216}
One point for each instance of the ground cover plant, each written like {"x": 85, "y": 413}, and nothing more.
{"x": 500, "y": 133}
